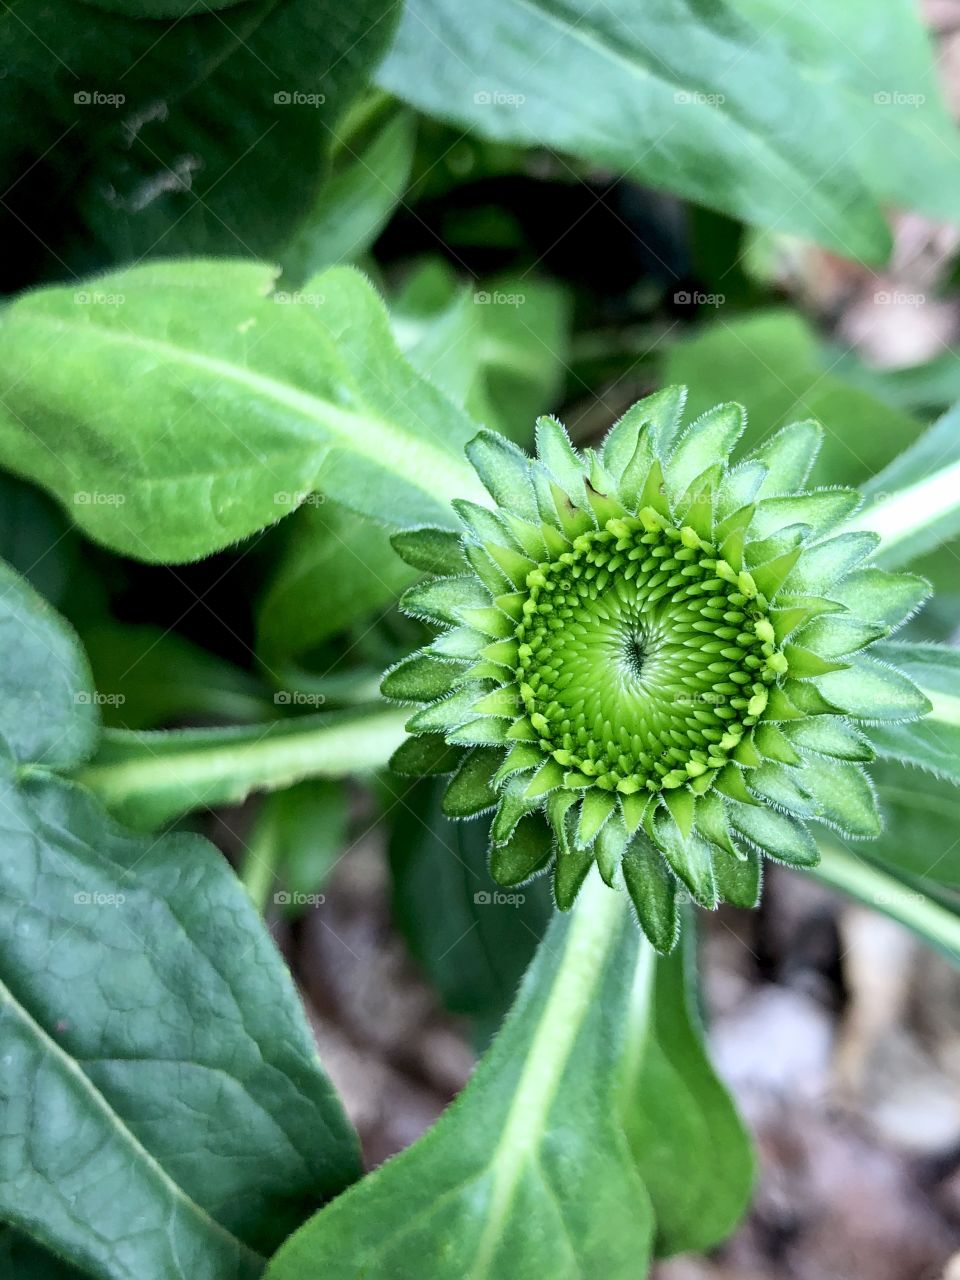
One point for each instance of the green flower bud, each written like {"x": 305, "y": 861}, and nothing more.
{"x": 633, "y": 658}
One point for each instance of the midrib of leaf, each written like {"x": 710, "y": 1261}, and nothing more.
{"x": 322, "y": 750}
{"x": 412, "y": 457}
{"x": 639, "y": 1025}
{"x": 910, "y": 510}
{"x": 945, "y": 707}
{"x": 50, "y": 1047}
{"x": 883, "y": 892}
{"x": 592, "y": 932}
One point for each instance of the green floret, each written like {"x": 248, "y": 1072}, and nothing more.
{"x": 651, "y": 657}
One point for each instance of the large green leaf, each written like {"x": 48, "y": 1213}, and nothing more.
{"x": 204, "y": 392}
{"x": 878, "y": 63}
{"x": 916, "y": 499}
{"x": 164, "y": 1111}
{"x": 527, "y": 1174}
{"x": 770, "y": 361}
{"x": 204, "y": 133}
{"x": 687, "y": 1139}
{"x": 148, "y": 779}
{"x": 932, "y": 742}
{"x": 696, "y": 101}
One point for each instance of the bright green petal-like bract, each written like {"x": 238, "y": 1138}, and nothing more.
{"x": 636, "y": 658}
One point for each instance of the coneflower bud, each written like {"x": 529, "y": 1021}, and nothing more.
{"x": 636, "y": 658}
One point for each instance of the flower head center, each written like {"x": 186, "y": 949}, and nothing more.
{"x": 643, "y": 658}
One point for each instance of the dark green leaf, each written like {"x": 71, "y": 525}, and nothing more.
{"x": 186, "y": 1124}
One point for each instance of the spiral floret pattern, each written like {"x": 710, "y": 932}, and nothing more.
{"x": 653, "y": 658}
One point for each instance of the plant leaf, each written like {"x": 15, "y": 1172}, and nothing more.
{"x": 191, "y": 1133}
{"x": 496, "y": 1187}
{"x": 355, "y": 203}
{"x": 214, "y": 137}
{"x": 905, "y": 160}
{"x": 138, "y": 416}
{"x": 677, "y": 101}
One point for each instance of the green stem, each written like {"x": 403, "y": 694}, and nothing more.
{"x": 148, "y": 779}
{"x": 885, "y": 893}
